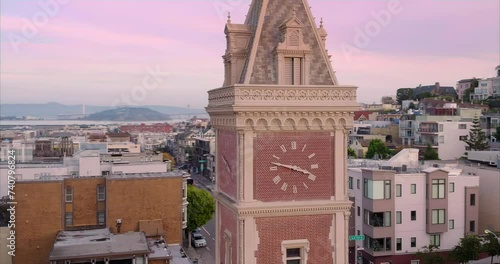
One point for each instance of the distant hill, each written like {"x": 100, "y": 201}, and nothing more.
{"x": 128, "y": 114}
{"x": 51, "y": 110}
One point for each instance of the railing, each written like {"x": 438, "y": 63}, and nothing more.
{"x": 428, "y": 130}
{"x": 420, "y": 143}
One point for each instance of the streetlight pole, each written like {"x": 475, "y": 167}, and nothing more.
{"x": 487, "y": 231}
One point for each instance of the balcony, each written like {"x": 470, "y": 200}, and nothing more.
{"x": 424, "y": 144}
{"x": 428, "y": 130}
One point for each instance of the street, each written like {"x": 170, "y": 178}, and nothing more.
{"x": 207, "y": 254}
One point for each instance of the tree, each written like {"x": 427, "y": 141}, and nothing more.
{"x": 167, "y": 156}
{"x": 491, "y": 246}
{"x": 497, "y": 133}
{"x": 404, "y": 94}
{"x": 428, "y": 255}
{"x": 201, "y": 208}
{"x": 421, "y": 96}
{"x": 376, "y": 146}
{"x": 430, "y": 153}
{"x": 467, "y": 249}
{"x": 412, "y": 106}
{"x": 351, "y": 153}
{"x": 477, "y": 138}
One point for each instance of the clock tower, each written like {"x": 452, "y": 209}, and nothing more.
{"x": 281, "y": 122}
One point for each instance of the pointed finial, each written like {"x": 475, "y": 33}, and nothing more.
{"x": 294, "y": 11}
{"x": 228, "y": 17}
{"x": 321, "y": 23}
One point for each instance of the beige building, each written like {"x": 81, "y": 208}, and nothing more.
{"x": 281, "y": 121}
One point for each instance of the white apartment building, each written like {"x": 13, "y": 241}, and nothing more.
{"x": 400, "y": 208}
{"x": 443, "y": 134}
{"x": 23, "y": 149}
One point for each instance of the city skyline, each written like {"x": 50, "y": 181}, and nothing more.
{"x": 169, "y": 53}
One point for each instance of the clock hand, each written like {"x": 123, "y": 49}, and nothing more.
{"x": 292, "y": 167}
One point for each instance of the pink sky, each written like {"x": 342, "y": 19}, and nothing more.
{"x": 98, "y": 52}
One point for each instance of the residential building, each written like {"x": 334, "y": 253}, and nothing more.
{"x": 282, "y": 122}
{"x": 435, "y": 90}
{"x": 463, "y": 85}
{"x": 483, "y": 90}
{"x": 400, "y": 207}
{"x": 148, "y": 202}
{"x": 150, "y": 128}
{"x": 489, "y": 124}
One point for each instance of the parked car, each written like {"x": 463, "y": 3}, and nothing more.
{"x": 197, "y": 240}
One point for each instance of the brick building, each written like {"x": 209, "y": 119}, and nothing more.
{"x": 46, "y": 207}
{"x": 281, "y": 122}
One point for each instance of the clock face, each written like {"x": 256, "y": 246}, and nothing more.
{"x": 294, "y": 166}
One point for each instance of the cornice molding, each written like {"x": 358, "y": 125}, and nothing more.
{"x": 284, "y": 208}
{"x": 281, "y": 120}
{"x": 243, "y": 95}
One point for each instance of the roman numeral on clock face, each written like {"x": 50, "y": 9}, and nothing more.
{"x": 276, "y": 179}
{"x": 294, "y": 189}
{"x": 294, "y": 145}
{"x": 284, "y": 186}
{"x": 314, "y": 166}
{"x": 283, "y": 148}
{"x": 273, "y": 168}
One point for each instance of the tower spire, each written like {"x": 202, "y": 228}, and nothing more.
{"x": 229, "y": 17}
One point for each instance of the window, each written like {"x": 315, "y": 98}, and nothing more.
{"x": 101, "y": 193}
{"x": 398, "y": 190}
{"x": 377, "y": 190}
{"x": 350, "y": 183}
{"x": 438, "y": 216}
{"x": 413, "y": 215}
{"x": 438, "y": 188}
{"x": 377, "y": 219}
{"x": 462, "y": 138}
{"x": 472, "y": 226}
{"x": 68, "y": 195}
{"x": 413, "y": 242}
{"x": 399, "y": 217}
{"x": 100, "y": 218}
{"x": 473, "y": 199}
{"x": 413, "y": 188}
{"x": 358, "y": 182}
{"x": 295, "y": 251}
{"x": 441, "y": 139}
{"x": 451, "y": 224}
{"x": 415, "y": 262}
{"x": 435, "y": 240}
{"x": 359, "y": 211}
{"x": 293, "y": 256}
{"x": 462, "y": 126}
{"x": 399, "y": 243}
{"x": 452, "y": 187}
{"x": 440, "y": 127}
{"x": 378, "y": 244}
{"x": 69, "y": 219}
{"x": 293, "y": 71}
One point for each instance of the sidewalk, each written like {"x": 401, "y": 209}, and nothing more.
{"x": 193, "y": 255}
{"x": 203, "y": 182}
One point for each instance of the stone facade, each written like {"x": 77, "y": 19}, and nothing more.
{"x": 285, "y": 185}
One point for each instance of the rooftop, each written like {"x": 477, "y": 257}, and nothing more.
{"x": 97, "y": 243}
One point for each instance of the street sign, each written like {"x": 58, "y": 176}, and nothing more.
{"x": 361, "y": 237}
{"x": 202, "y": 161}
